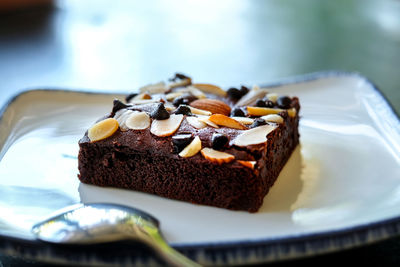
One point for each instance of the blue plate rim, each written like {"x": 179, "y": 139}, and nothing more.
{"x": 267, "y": 249}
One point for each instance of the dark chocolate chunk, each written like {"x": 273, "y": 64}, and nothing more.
{"x": 118, "y": 105}
{"x": 159, "y": 113}
{"x": 258, "y": 122}
{"x": 234, "y": 93}
{"x": 130, "y": 96}
{"x": 219, "y": 141}
{"x": 284, "y": 102}
{"x": 237, "y": 112}
{"x": 180, "y": 141}
{"x": 179, "y": 76}
{"x": 185, "y": 99}
{"x": 244, "y": 90}
{"x": 261, "y": 103}
{"x": 269, "y": 103}
{"x": 184, "y": 109}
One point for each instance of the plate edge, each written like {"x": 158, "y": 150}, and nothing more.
{"x": 342, "y": 238}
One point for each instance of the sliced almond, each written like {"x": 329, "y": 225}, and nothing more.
{"x": 292, "y": 112}
{"x": 166, "y": 127}
{"x": 210, "y": 89}
{"x": 216, "y": 156}
{"x": 213, "y": 105}
{"x": 192, "y": 90}
{"x": 169, "y": 107}
{"x": 173, "y": 95}
{"x": 248, "y": 164}
{"x": 258, "y": 111}
{"x": 226, "y": 121}
{"x": 251, "y": 97}
{"x": 103, "y": 129}
{"x": 156, "y": 88}
{"x": 121, "y": 116}
{"x": 273, "y": 97}
{"x": 254, "y": 136}
{"x": 192, "y": 149}
{"x": 180, "y": 83}
{"x": 206, "y": 120}
{"x": 243, "y": 120}
{"x": 138, "y": 121}
{"x": 143, "y": 101}
{"x": 273, "y": 118}
{"x": 198, "y": 111}
{"x": 195, "y": 122}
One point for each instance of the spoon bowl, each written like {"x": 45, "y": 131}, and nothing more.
{"x": 101, "y": 223}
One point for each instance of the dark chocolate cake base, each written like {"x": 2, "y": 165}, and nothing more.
{"x": 114, "y": 163}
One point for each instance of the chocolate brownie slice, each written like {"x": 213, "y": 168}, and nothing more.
{"x": 193, "y": 142}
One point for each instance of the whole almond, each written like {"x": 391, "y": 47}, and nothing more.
{"x": 212, "y": 105}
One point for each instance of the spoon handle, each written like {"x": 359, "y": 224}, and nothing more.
{"x": 172, "y": 256}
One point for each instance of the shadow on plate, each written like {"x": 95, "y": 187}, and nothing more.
{"x": 284, "y": 193}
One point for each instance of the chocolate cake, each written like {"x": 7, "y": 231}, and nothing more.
{"x": 193, "y": 142}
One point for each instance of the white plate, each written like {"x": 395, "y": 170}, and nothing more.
{"x": 343, "y": 180}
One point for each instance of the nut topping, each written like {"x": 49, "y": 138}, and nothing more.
{"x": 103, "y": 129}
{"x": 217, "y": 156}
{"x": 247, "y": 163}
{"x": 251, "y": 97}
{"x": 156, "y": 88}
{"x": 254, "y": 136}
{"x": 226, "y": 121}
{"x": 195, "y": 122}
{"x": 212, "y": 105}
{"x": 166, "y": 127}
{"x": 192, "y": 149}
{"x": 243, "y": 120}
{"x": 210, "y": 89}
{"x": 259, "y": 111}
{"x": 272, "y": 118}
{"x": 138, "y": 121}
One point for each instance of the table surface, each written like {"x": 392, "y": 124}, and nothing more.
{"x": 121, "y": 46}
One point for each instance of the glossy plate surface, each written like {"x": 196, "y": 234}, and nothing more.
{"x": 343, "y": 179}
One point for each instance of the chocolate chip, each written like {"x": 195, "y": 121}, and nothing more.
{"x": 179, "y": 76}
{"x": 237, "y": 112}
{"x": 180, "y": 141}
{"x": 219, "y": 141}
{"x": 234, "y": 93}
{"x": 258, "y": 122}
{"x": 269, "y": 104}
{"x": 185, "y": 99}
{"x": 244, "y": 90}
{"x": 130, "y": 96}
{"x": 118, "y": 105}
{"x": 284, "y": 102}
{"x": 261, "y": 103}
{"x": 183, "y": 109}
{"x": 159, "y": 113}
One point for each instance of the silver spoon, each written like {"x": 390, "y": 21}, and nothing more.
{"x": 98, "y": 223}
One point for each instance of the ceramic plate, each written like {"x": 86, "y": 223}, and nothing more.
{"x": 340, "y": 188}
